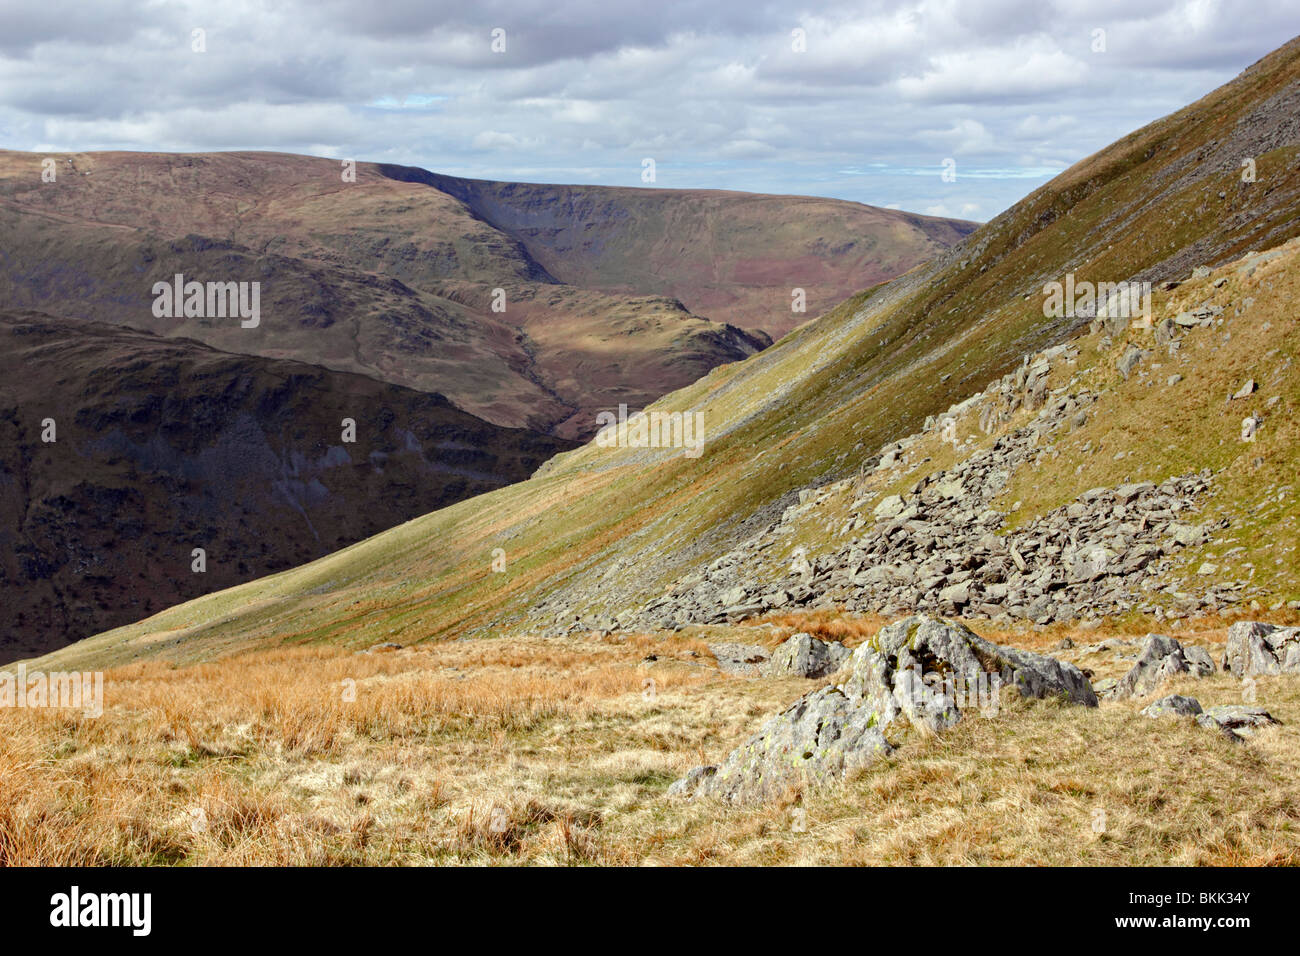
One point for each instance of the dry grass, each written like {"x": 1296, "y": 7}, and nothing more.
{"x": 319, "y": 756}
{"x": 559, "y": 752}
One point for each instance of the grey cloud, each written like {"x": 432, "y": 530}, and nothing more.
{"x": 714, "y": 92}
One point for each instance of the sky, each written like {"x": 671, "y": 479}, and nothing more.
{"x": 946, "y": 107}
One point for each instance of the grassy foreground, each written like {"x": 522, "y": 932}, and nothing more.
{"x": 560, "y": 752}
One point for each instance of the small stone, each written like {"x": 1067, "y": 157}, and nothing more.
{"x": 1173, "y": 705}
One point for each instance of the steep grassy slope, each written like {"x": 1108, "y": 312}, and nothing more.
{"x": 731, "y": 256}
{"x": 389, "y": 277}
{"x": 602, "y": 530}
{"x": 161, "y": 446}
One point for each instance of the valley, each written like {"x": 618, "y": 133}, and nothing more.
{"x": 961, "y": 477}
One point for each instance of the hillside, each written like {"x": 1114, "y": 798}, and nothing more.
{"x": 388, "y": 277}
{"x": 730, "y": 256}
{"x": 160, "y": 446}
{"x": 602, "y": 532}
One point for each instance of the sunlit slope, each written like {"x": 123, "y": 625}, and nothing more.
{"x": 600, "y": 530}
{"x": 731, "y": 256}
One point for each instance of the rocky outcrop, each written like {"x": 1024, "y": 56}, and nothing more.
{"x": 940, "y": 548}
{"x": 1162, "y": 658}
{"x": 1241, "y": 718}
{"x": 1257, "y": 648}
{"x": 1234, "y": 721}
{"x": 818, "y": 740}
{"x": 896, "y": 673}
{"x": 805, "y": 656}
{"x": 1199, "y": 661}
{"x": 941, "y": 554}
{"x": 942, "y": 545}
{"x": 920, "y": 671}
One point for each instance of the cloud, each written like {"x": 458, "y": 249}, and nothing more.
{"x": 865, "y": 103}
{"x": 1025, "y": 71}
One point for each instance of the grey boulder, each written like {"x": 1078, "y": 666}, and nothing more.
{"x": 1232, "y": 720}
{"x": 805, "y": 656}
{"x": 818, "y": 740}
{"x": 1161, "y": 658}
{"x": 1173, "y": 705}
{"x": 926, "y": 670}
{"x": 1257, "y": 648}
{"x": 1241, "y": 718}
{"x": 1199, "y": 661}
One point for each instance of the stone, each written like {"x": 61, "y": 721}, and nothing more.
{"x": 803, "y": 655}
{"x": 1246, "y": 390}
{"x": 818, "y": 740}
{"x": 1199, "y": 661}
{"x": 1105, "y": 687}
{"x": 956, "y": 594}
{"x": 1241, "y": 718}
{"x": 1129, "y": 360}
{"x": 689, "y": 784}
{"x": 890, "y": 507}
{"x": 734, "y": 595}
{"x": 1161, "y": 658}
{"x": 1173, "y": 705}
{"x": 894, "y": 672}
{"x": 1088, "y": 564}
{"x": 1188, "y": 535}
{"x": 1255, "y": 647}
{"x": 907, "y": 673}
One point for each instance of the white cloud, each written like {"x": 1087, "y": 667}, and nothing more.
{"x": 1024, "y": 71}
{"x": 714, "y": 92}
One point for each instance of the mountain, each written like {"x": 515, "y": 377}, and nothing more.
{"x": 732, "y": 256}
{"x": 122, "y": 451}
{"x": 477, "y": 291}
{"x": 806, "y": 439}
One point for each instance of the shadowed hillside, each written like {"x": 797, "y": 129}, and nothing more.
{"x": 161, "y": 446}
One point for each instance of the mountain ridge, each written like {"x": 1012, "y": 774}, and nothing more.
{"x": 416, "y": 289}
